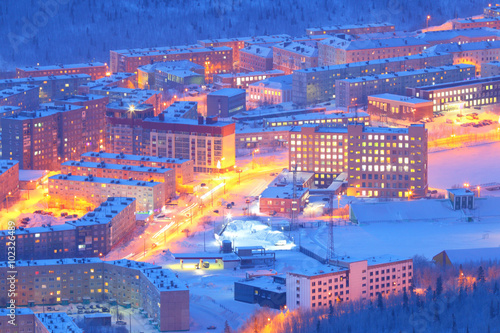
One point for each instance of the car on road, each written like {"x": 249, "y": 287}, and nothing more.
{"x": 212, "y": 327}
{"x": 63, "y": 214}
{"x": 159, "y": 216}
{"x": 203, "y": 184}
{"x": 216, "y": 211}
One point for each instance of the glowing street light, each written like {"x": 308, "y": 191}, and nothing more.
{"x": 338, "y": 201}
{"x": 409, "y": 194}
{"x": 478, "y": 191}
{"x": 466, "y": 185}
{"x": 427, "y": 20}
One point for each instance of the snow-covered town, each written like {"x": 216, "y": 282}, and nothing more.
{"x": 336, "y": 173}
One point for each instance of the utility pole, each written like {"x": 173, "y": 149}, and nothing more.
{"x": 331, "y": 249}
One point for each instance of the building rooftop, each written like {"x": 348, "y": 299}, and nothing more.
{"x": 372, "y": 261}
{"x": 283, "y": 82}
{"x": 58, "y": 322}
{"x": 109, "y": 80}
{"x": 298, "y": 47}
{"x": 407, "y": 73}
{"x": 282, "y": 192}
{"x": 460, "y": 191}
{"x": 46, "y": 109}
{"x": 228, "y": 92}
{"x": 350, "y": 26}
{"x": 464, "y": 256}
{"x": 186, "y": 121}
{"x": 431, "y": 36}
{"x": 41, "y": 79}
{"x": 245, "y": 129}
{"x": 400, "y": 98}
{"x": 261, "y": 51}
{"x": 15, "y": 90}
{"x": 473, "y": 20}
{"x": 145, "y": 158}
{"x": 102, "y": 180}
{"x": 19, "y": 311}
{"x": 461, "y": 83}
{"x": 231, "y": 75}
{"x": 168, "y": 66}
{"x": 103, "y": 165}
{"x": 53, "y": 262}
{"x": 319, "y": 116}
{"x": 157, "y": 51}
{"x": 473, "y": 46}
{"x": 372, "y": 62}
{"x": 80, "y": 98}
{"x": 7, "y": 164}
{"x": 265, "y": 283}
{"x": 364, "y": 44}
{"x": 61, "y": 66}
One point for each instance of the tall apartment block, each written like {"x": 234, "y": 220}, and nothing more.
{"x": 355, "y": 92}
{"x": 337, "y": 51}
{"x": 379, "y": 162}
{"x": 51, "y": 87}
{"x": 24, "y": 96}
{"x": 316, "y": 85}
{"x": 9, "y": 180}
{"x": 208, "y": 142}
{"x": 352, "y": 29}
{"x": 131, "y": 172}
{"x": 216, "y": 60}
{"x": 158, "y": 291}
{"x": 290, "y": 56}
{"x": 96, "y": 70}
{"x": 92, "y": 235}
{"x": 243, "y": 80}
{"x": 183, "y": 168}
{"x": 348, "y": 279}
{"x": 80, "y": 191}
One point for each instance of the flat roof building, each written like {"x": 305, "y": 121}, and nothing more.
{"x": 24, "y": 96}
{"x": 243, "y": 80}
{"x": 226, "y": 102}
{"x": 399, "y": 107}
{"x": 274, "y": 90}
{"x": 281, "y": 200}
{"x": 352, "y": 29}
{"x": 462, "y": 36}
{"x": 122, "y": 80}
{"x": 490, "y": 69}
{"x": 256, "y": 58}
{"x": 96, "y": 70}
{"x": 162, "y": 76}
{"x": 290, "y": 56}
{"x": 182, "y": 109}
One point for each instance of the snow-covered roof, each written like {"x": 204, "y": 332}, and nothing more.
{"x": 461, "y": 83}
{"x": 400, "y": 98}
{"x": 473, "y": 46}
{"x": 35, "y": 175}
{"x": 231, "y": 75}
{"x": 431, "y": 36}
{"x": 103, "y": 180}
{"x": 350, "y": 26}
{"x": 473, "y": 255}
{"x": 99, "y": 165}
{"x": 228, "y": 92}
{"x": 283, "y": 82}
{"x": 260, "y": 51}
{"x": 265, "y": 283}
{"x": 145, "y": 158}
{"x": 297, "y": 47}
{"x": 364, "y": 44}
{"x": 282, "y": 192}
{"x": 58, "y": 322}
{"x": 61, "y": 66}
{"x": 17, "y": 90}
{"x": 460, "y": 191}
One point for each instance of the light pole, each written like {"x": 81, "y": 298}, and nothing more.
{"x": 478, "y": 191}
{"x": 239, "y": 176}
{"x": 338, "y": 201}
{"x": 253, "y": 154}
{"x": 74, "y": 202}
{"x": 427, "y": 20}
{"x": 409, "y": 194}
{"x": 8, "y": 195}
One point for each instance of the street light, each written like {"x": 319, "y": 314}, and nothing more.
{"x": 238, "y": 171}
{"x": 144, "y": 245}
{"x": 409, "y": 194}
{"x": 427, "y": 20}
{"x": 253, "y": 153}
{"x": 338, "y": 201}
{"x": 466, "y": 185}
{"x": 478, "y": 191}
{"x": 8, "y": 195}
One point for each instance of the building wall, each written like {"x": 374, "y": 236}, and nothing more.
{"x": 9, "y": 180}
{"x": 289, "y": 60}
{"x": 384, "y": 108}
{"x": 284, "y": 205}
{"x": 225, "y": 106}
{"x": 253, "y": 62}
{"x": 26, "y": 97}
{"x": 95, "y": 72}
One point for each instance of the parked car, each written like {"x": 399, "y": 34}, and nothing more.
{"x": 63, "y": 214}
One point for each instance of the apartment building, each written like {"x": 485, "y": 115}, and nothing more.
{"x": 216, "y": 60}
{"x": 29, "y": 322}
{"x": 268, "y": 41}
{"x": 471, "y": 53}
{"x": 162, "y": 76}
{"x": 355, "y": 92}
{"x": 93, "y": 118}
{"x": 334, "y": 119}
{"x": 51, "y": 87}
{"x": 470, "y": 22}
{"x": 243, "y": 80}
{"x": 158, "y": 291}
{"x": 490, "y": 69}
{"x": 183, "y": 167}
{"x": 270, "y": 137}
{"x": 236, "y": 44}
{"x": 492, "y": 11}
{"x": 281, "y": 200}
{"x": 256, "y": 58}
{"x": 122, "y": 80}
{"x": 397, "y": 170}
{"x": 275, "y": 90}
{"x": 463, "y": 36}
{"x": 182, "y": 109}
{"x": 24, "y": 96}
{"x": 118, "y": 171}
{"x": 399, "y": 107}
{"x": 315, "y": 85}
{"x": 9, "y": 178}
{"x": 80, "y": 191}
{"x": 96, "y": 70}
{"x": 457, "y": 95}
{"x": 92, "y": 235}
{"x": 352, "y": 29}
{"x": 337, "y": 51}
{"x": 348, "y": 279}
{"x": 290, "y": 56}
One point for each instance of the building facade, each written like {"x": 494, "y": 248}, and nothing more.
{"x": 256, "y": 59}
{"x": 348, "y": 279}
{"x": 9, "y": 178}
{"x": 399, "y": 107}
{"x": 243, "y": 80}
{"x": 96, "y": 70}
{"x": 270, "y": 91}
{"x": 226, "y": 102}
{"x": 281, "y": 200}
{"x": 355, "y": 92}
{"x": 24, "y": 96}
{"x": 290, "y": 56}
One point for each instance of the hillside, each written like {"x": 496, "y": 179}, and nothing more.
{"x": 69, "y": 31}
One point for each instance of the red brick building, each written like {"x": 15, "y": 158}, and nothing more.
{"x": 96, "y": 70}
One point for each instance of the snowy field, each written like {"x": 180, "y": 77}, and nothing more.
{"x": 474, "y": 165}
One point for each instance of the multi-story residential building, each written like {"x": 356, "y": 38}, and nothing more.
{"x": 334, "y": 119}
{"x": 492, "y": 11}
{"x": 170, "y": 75}
{"x": 457, "y": 95}
{"x": 118, "y": 171}
{"x": 470, "y": 22}
{"x": 183, "y": 167}
{"x": 92, "y": 235}
{"x": 226, "y": 102}
{"x": 460, "y": 37}
{"x": 93, "y": 118}
{"x": 315, "y": 85}
{"x": 121, "y": 109}
{"x": 290, "y": 56}
{"x": 216, "y": 60}
{"x": 8, "y": 111}
{"x": 256, "y": 59}
{"x": 243, "y": 80}
{"x": 96, "y": 70}
{"x": 281, "y": 200}
{"x": 9, "y": 178}
{"x": 336, "y": 50}
{"x": 355, "y": 92}
{"x": 236, "y": 44}
{"x": 398, "y": 169}
{"x": 352, "y": 29}
{"x": 273, "y": 90}
{"x": 182, "y": 109}
{"x": 157, "y": 291}
{"x": 270, "y": 137}
{"x": 268, "y": 41}
{"x": 348, "y": 279}
{"x": 51, "y": 87}
{"x": 122, "y": 80}
{"x": 23, "y": 96}
{"x": 470, "y": 53}
{"x": 80, "y": 191}
{"x": 490, "y": 69}
{"x": 399, "y": 107}
{"x": 29, "y": 322}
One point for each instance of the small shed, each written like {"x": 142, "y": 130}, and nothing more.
{"x": 461, "y": 198}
